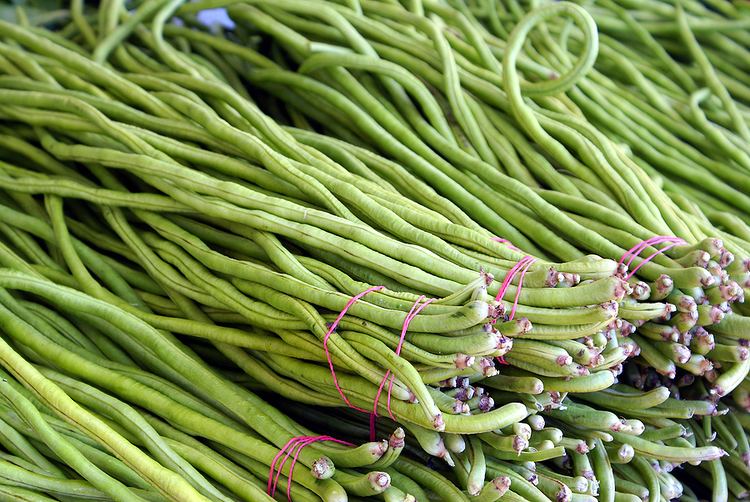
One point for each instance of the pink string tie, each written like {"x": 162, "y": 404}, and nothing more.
{"x": 522, "y": 266}
{"x": 638, "y": 249}
{"x": 331, "y": 329}
{"x": 293, "y": 447}
{"x": 509, "y": 277}
{"x": 530, "y": 261}
{"x": 528, "y": 265}
{"x": 506, "y": 242}
{"x": 413, "y": 312}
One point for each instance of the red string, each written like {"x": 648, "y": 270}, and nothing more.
{"x": 415, "y": 310}
{"x": 331, "y": 329}
{"x": 296, "y": 443}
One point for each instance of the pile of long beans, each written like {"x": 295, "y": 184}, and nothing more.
{"x": 409, "y": 250}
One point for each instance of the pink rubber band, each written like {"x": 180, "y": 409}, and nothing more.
{"x": 651, "y": 257}
{"x": 331, "y": 329}
{"x": 638, "y": 248}
{"x": 294, "y": 445}
{"x": 404, "y": 329}
{"x": 273, "y": 480}
{"x": 299, "y": 447}
{"x": 413, "y": 312}
{"x": 388, "y": 399}
{"x": 652, "y": 243}
{"x": 523, "y": 266}
{"x": 529, "y": 263}
{"x": 509, "y": 277}
{"x": 506, "y": 242}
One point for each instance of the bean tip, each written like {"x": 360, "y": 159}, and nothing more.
{"x": 379, "y": 448}
{"x": 397, "y": 438}
{"x": 611, "y": 308}
{"x": 448, "y": 383}
{"x": 486, "y": 277}
{"x": 463, "y": 361}
{"x": 553, "y": 278}
{"x": 564, "y": 494}
{"x": 438, "y": 423}
{"x": 322, "y": 468}
{"x": 641, "y": 291}
{"x": 504, "y": 344}
{"x": 702, "y": 259}
{"x": 570, "y": 279}
{"x": 716, "y": 314}
{"x": 564, "y": 360}
{"x": 501, "y": 483}
{"x": 520, "y": 443}
{"x": 708, "y": 281}
{"x": 621, "y": 289}
{"x": 524, "y": 325}
{"x": 380, "y": 480}
{"x": 458, "y": 407}
{"x": 486, "y": 403}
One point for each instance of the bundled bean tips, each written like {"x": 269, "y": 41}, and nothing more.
{"x": 454, "y": 250}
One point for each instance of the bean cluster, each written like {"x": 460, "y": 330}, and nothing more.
{"x": 416, "y": 250}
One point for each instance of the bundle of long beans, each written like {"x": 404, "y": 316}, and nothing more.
{"x": 334, "y": 250}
